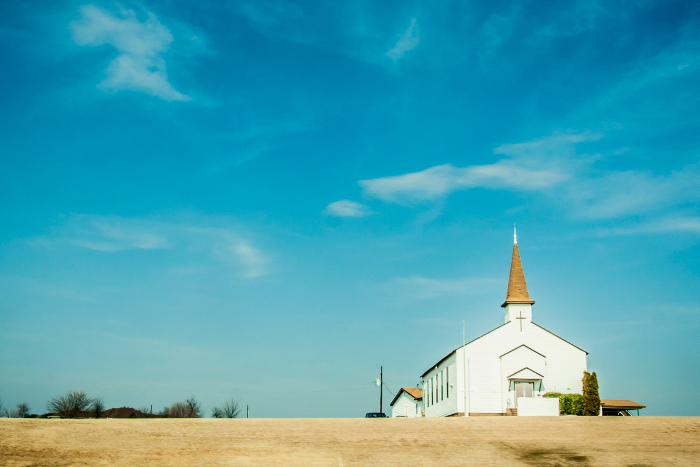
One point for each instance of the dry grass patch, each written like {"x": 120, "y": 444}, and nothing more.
{"x": 482, "y": 441}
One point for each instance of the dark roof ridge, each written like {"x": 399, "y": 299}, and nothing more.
{"x": 445, "y": 357}
{"x": 523, "y": 345}
{"x": 559, "y": 337}
{"x": 526, "y": 368}
{"x": 402, "y": 390}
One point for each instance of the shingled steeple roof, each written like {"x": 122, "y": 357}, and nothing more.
{"x": 517, "y": 288}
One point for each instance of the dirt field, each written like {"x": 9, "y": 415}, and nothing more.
{"x": 477, "y": 441}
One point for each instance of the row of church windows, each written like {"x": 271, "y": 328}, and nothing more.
{"x": 438, "y": 387}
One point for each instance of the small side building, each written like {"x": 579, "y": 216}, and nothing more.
{"x": 408, "y": 403}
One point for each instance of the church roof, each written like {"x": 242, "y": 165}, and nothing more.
{"x": 559, "y": 337}
{"x": 416, "y": 393}
{"x": 448, "y": 355}
{"x": 517, "y": 288}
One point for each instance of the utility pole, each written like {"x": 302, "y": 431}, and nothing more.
{"x": 381, "y": 387}
{"x": 247, "y": 412}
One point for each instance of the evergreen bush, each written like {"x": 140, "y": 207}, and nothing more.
{"x": 591, "y": 398}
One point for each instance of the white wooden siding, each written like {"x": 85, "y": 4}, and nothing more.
{"x": 443, "y": 406}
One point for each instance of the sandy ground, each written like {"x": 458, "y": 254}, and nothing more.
{"x": 478, "y": 441}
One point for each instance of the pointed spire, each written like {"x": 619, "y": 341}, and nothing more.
{"x": 517, "y": 288}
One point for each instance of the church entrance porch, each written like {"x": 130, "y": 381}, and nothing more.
{"x": 523, "y": 389}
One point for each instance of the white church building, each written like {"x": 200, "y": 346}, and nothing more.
{"x": 506, "y": 370}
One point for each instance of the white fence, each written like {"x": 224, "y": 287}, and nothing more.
{"x": 538, "y": 407}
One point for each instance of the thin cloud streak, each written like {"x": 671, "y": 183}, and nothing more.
{"x": 427, "y": 288}
{"x": 112, "y": 235}
{"x": 347, "y": 208}
{"x": 687, "y": 224}
{"x": 442, "y": 180}
{"x": 408, "y": 41}
{"x": 139, "y": 65}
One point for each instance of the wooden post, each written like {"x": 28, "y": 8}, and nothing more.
{"x": 381, "y": 387}
{"x": 247, "y": 412}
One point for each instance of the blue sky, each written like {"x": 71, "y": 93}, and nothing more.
{"x": 268, "y": 200}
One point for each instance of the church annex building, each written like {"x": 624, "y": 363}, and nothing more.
{"x": 504, "y": 371}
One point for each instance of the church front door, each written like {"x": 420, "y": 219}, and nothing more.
{"x": 523, "y": 389}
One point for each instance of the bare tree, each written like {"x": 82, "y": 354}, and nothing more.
{"x": 188, "y": 409}
{"x": 2, "y": 409}
{"x": 70, "y": 405}
{"x": 195, "y": 407}
{"x": 179, "y": 410}
{"x": 23, "y": 410}
{"x": 97, "y": 406}
{"x": 231, "y": 409}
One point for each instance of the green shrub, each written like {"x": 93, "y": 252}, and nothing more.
{"x": 569, "y": 404}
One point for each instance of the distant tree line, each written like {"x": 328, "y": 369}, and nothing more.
{"x": 21, "y": 410}
{"x": 77, "y": 404}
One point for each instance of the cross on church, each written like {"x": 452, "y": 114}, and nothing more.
{"x": 521, "y": 318}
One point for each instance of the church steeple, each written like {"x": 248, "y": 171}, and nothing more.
{"x": 517, "y": 288}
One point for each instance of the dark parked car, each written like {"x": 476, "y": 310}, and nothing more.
{"x": 375, "y": 415}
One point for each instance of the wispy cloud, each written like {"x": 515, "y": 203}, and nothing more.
{"x": 439, "y": 181}
{"x": 535, "y": 165}
{"x": 112, "y": 234}
{"x": 139, "y": 65}
{"x": 550, "y": 165}
{"x": 269, "y": 13}
{"x": 409, "y": 40}
{"x": 347, "y": 208}
{"x": 426, "y": 288}
{"x": 689, "y": 224}
{"x": 236, "y": 250}
{"x": 614, "y": 194}
{"x": 654, "y": 89}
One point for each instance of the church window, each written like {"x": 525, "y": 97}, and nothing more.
{"x": 442, "y": 387}
{"x": 447, "y": 382}
{"x": 434, "y": 389}
{"x": 430, "y": 392}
